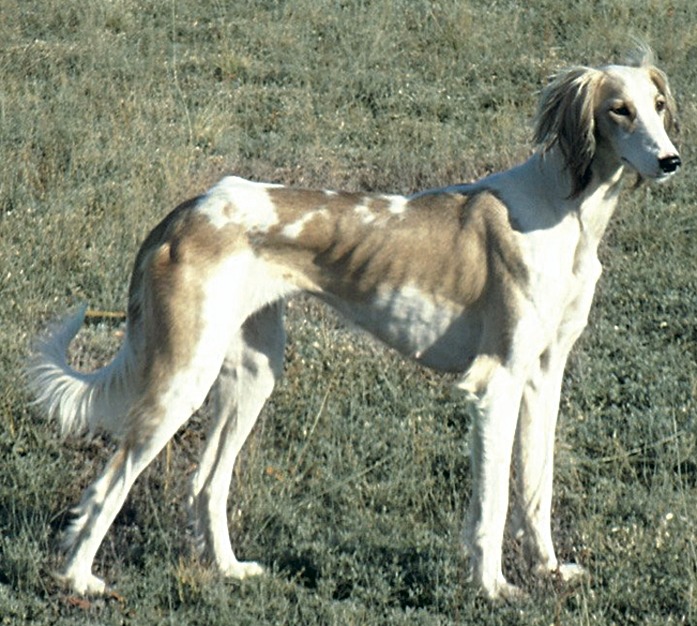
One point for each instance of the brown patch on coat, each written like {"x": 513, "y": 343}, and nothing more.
{"x": 441, "y": 243}
{"x": 456, "y": 250}
{"x": 292, "y": 204}
{"x": 461, "y": 252}
{"x": 165, "y": 295}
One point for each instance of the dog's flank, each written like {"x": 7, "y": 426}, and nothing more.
{"x": 493, "y": 279}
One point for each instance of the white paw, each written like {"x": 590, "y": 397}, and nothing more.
{"x": 84, "y": 584}
{"x": 564, "y": 572}
{"x": 242, "y": 569}
{"x": 502, "y": 590}
{"x": 570, "y": 571}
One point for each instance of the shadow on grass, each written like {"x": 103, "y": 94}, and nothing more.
{"x": 411, "y": 572}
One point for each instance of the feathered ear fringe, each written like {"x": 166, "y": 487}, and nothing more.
{"x": 565, "y": 118}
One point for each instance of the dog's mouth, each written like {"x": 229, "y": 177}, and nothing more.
{"x": 659, "y": 174}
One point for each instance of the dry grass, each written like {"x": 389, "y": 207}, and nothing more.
{"x": 353, "y": 485}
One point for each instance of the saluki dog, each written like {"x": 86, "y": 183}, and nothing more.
{"x": 493, "y": 280}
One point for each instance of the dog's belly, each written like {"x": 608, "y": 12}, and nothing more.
{"x": 437, "y": 334}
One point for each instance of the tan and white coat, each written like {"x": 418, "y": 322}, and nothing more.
{"x": 492, "y": 279}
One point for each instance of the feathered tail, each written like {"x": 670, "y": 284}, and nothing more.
{"x": 81, "y": 402}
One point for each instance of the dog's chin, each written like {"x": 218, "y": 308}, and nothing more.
{"x": 656, "y": 176}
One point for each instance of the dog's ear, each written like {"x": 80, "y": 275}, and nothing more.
{"x": 670, "y": 118}
{"x": 566, "y": 118}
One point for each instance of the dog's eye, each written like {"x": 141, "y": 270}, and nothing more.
{"x": 622, "y": 110}
{"x": 660, "y": 105}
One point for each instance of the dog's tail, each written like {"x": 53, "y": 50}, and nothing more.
{"x": 81, "y": 402}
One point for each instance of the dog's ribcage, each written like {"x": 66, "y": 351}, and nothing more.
{"x": 427, "y": 276}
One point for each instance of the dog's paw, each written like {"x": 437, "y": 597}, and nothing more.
{"x": 84, "y": 584}
{"x": 242, "y": 569}
{"x": 563, "y": 572}
{"x": 503, "y": 591}
{"x": 568, "y": 572}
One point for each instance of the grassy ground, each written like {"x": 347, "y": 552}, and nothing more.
{"x": 356, "y": 478}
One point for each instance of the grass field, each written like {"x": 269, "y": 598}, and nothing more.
{"x": 352, "y": 488}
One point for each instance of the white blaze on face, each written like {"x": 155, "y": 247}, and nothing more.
{"x": 648, "y": 141}
{"x": 242, "y": 202}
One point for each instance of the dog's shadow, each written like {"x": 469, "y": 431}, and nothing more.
{"x": 415, "y": 580}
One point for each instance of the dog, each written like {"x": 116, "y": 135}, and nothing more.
{"x": 493, "y": 280}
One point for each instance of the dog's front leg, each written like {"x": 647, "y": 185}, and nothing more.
{"x": 535, "y": 436}
{"x": 534, "y": 452}
{"x": 496, "y": 397}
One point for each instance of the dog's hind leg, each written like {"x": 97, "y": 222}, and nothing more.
{"x": 102, "y": 501}
{"x": 167, "y": 402}
{"x": 105, "y": 497}
{"x": 253, "y": 363}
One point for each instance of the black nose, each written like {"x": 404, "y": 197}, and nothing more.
{"x": 670, "y": 164}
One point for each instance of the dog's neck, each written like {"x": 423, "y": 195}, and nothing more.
{"x": 596, "y": 203}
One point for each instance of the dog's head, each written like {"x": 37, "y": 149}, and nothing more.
{"x": 617, "y": 114}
